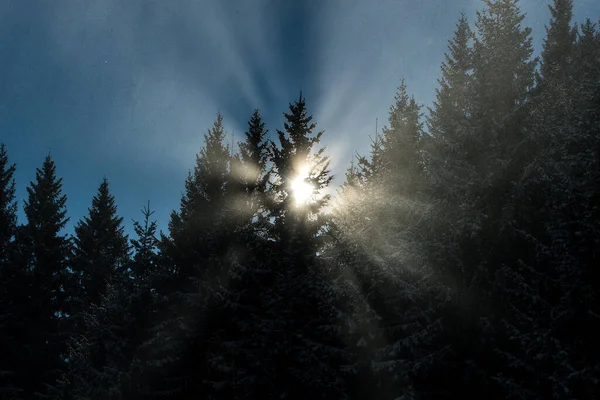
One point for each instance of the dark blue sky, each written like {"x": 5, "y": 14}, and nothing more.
{"x": 126, "y": 89}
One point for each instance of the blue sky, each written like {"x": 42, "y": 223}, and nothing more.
{"x": 126, "y": 89}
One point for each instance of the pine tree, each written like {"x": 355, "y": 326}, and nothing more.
{"x": 503, "y": 77}
{"x": 249, "y": 175}
{"x": 47, "y": 253}
{"x": 402, "y": 167}
{"x": 145, "y": 259}
{"x": 101, "y": 355}
{"x": 296, "y": 163}
{"x": 212, "y": 164}
{"x": 8, "y": 205}
{"x": 273, "y": 312}
{"x": 587, "y": 50}
{"x": 370, "y": 169}
{"x": 12, "y": 281}
{"x": 378, "y": 233}
{"x": 101, "y": 247}
{"x": 195, "y": 252}
{"x": 145, "y": 304}
{"x": 300, "y": 302}
{"x": 453, "y": 143}
{"x": 192, "y": 232}
{"x": 106, "y": 358}
{"x": 557, "y": 55}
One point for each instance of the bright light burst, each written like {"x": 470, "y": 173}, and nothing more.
{"x": 301, "y": 189}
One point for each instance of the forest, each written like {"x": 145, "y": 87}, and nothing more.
{"x": 455, "y": 261}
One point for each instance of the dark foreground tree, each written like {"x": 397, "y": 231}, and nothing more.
{"x": 101, "y": 248}
{"x": 13, "y": 306}
{"x": 45, "y": 254}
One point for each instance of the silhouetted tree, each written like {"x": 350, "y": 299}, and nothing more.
{"x": 557, "y": 55}
{"x": 101, "y": 248}
{"x": 249, "y": 172}
{"x": 13, "y": 306}
{"x": 46, "y": 255}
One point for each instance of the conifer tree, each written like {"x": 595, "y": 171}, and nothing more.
{"x": 195, "y": 252}
{"x": 212, "y": 164}
{"x": 503, "y": 77}
{"x": 369, "y": 169}
{"x": 106, "y": 358}
{"x": 47, "y": 254}
{"x": 300, "y": 303}
{"x": 294, "y": 161}
{"x": 401, "y": 158}
{"x": 8, "y": 204}
{"x": 101, "y": 247}
{"x": 557, "y": 55}
{"x": 145, "y": 259}
{"x": 587, "y": 50}
{"x": 192, "y": 229}
{"x": 248, "y": 169}
{"x": 451, "y": 154}
{"x": 145, "y": 304}
{"x": 547, "y": 281}
{"x": 12, "y": 281}
{"x": 100, "y": 355}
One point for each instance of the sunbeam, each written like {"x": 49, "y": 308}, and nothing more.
{"x": 302, "y": 190}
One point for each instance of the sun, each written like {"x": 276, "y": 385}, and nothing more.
{"x": 301, "y": 189}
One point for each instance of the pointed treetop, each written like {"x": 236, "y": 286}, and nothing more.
{"x": 504, "y": 69}
{"x": 296, "y": 164}
{"x": 46, "y": 205}
{"x": 102, "y": 217}
{"x": 404, "y": 114}
{"x": 212, "y": 163}
{"x": 145, "y": 245}
{"x": 101, "y": 246}
{"x": 8, "y": 204}
{"x": 398, "y": 116}
{"x": 559, "y": 41}
{"x": 254, "y": 150}
{"x": 452, "y": 98}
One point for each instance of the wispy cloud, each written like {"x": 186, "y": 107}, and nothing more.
{"x": 168, "y": 67}
{"x": 133, "y": 85}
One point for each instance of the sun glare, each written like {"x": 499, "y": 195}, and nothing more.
{"x": 301, "y": 189}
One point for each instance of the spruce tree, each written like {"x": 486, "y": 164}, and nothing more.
{"x": 248, "y": 171}
{"x": 299, "y": 302}
{"x": 378, "y": 244}
{"x": 101, "y": 247}
{"x": 47, "y": 255}
{"x": 193, "y": 229}
{"x": 12, "y": 282}
{"x": 557, "y": 55}
{"x": 194, "y": 252}
{"x": 503, "y": 77}
{"x": 552, "y": 286}
{"x": 145, "y": 304}
{"x": 296, "y": 163}
{"x": 145, "y": 258}
{"x": 587, "y": 50}
{"x": 106, "y": 358}
{"x": 212, "y": 164}
{"x": 401, "y": 158}
{"x": 101, "y": 355}
{"x": 8, "y": 204}
{"x": 449, "y": 160}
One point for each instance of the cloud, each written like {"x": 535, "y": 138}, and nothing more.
{"x": 167, "y": 68}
